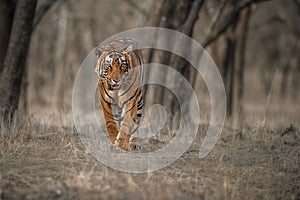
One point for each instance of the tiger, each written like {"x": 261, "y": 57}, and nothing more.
{"x": 119, "y": 70}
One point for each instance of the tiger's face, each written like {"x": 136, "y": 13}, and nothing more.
{"x": 115, "y": 69}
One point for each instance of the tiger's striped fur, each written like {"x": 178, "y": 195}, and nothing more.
{"x": 119, "y": 69}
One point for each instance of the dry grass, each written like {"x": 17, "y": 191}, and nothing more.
{"x": 41, "y": 160}
{"x": 42, "y": 157}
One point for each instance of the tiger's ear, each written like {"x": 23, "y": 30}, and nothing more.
{"x": 129, "y": 48}
{"x": 132, "y": 45}
{"x": 98, "y": 69}
{"x": 98, "y": 51}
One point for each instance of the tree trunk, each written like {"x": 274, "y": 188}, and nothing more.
{"x": 14, "y": 63}
{"x": 234, "y": 61}
{"x": 295, "y": 80}
{"x": 7, "y": 8}
{"x": 241, "y": 58}
{"x": 228, "y": 75}
{"x": 162, "y": 18}
{"x": 59, "y": 59}
{"x": 179, "y": 64}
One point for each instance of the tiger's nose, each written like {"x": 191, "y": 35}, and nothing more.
{"x": 116, "y": 80}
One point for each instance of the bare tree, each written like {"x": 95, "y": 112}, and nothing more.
{"x": 14, "y": 63}
{"x": 231, "y": 22}
{"x": 7, "y": 8}
{"x": 59, "y": 55}
{"x": 243, "y": 36}
{"x": 234, "y": 26}
{"x": 167, "y": 16}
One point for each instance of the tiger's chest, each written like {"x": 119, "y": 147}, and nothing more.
{"x": 118, "y": 106}
{"x": 118, "y": 98}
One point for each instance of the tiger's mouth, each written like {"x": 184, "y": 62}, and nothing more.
{"x": 115, "y": 86}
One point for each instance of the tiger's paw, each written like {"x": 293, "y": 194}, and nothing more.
{"x": 133, "y": 144}
{"x": 112, "y": 132}
{"x": 123, "y": 141}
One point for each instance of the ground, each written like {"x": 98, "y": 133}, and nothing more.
{"x": 250, "y": 163}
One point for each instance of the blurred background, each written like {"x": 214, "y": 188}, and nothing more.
{"x": 255, "y": 45}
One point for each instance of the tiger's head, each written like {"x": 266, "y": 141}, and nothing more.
{"x": 114, "y": 63}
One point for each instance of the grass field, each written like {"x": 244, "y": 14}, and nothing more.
{"x": 42, "y": 161}
{"x": 258, "y": 153}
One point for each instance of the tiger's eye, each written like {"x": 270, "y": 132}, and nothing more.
{"x": 124, "y": 67}
{"x": 106, "y": 67}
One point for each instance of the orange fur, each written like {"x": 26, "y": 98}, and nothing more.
{"x": 121, "y": 97}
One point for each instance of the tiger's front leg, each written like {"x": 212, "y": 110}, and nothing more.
{"x": 127, "y": 127}
{"x": 111, "y": 125}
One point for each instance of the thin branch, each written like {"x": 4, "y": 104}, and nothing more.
{"x": 137, "y": 7}
{"x": 41, "y": 11}
{"x": 229, "y": 20}
{"x": 280, "y": 20}
{"x": 297, "y": 3}
{"x": 218, "y": 15}
{"x": 193, "y": 16}
{"x": 273, "y": 20}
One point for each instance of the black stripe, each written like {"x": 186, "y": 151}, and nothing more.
{"x": 140, "y": 107}
{"x": 108, "y": 102}
{"x": 106, "y": 91}
{"x": 120, "y": 119}
{"x": 110, "y": 115}
{"x": 116, "y": 116}
{"x": 131, "y": 97}
{"x": 102, "y": 97}
{"x": 134, "y": 130}
{"x": 119, "y": 111}
{"x": 110, "y": 122}
{"x": 141, "y": 100}
{"x": 129, "y": 109}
